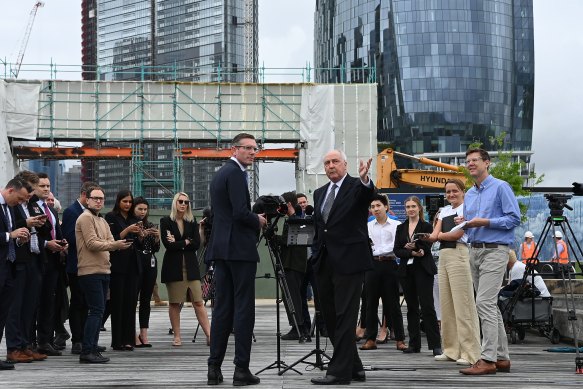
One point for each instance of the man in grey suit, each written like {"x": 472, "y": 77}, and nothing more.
{"x": 233, "y": 249}
{"x": 341, "y": 255}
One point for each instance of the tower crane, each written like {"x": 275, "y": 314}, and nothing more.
{"x": 26, "y": 37}
{"x": 250, "y": 41}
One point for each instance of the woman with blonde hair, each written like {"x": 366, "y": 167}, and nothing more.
{"x": 180, "y": 271}
{"x": 459, "y": 318}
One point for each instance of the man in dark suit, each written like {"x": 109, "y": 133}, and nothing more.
{"x": 27, "y": 279}
{"x": 15, "y": 192}
{"x": 342, "y": 254}
{"x": 53, "y": 246}
{"x": 233, "y": 249}
{"x": 77, "y": 305}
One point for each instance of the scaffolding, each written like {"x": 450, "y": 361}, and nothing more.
{"x": 130, "y": 114}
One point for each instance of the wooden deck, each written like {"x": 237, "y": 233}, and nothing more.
{"x": 164, "y": 365}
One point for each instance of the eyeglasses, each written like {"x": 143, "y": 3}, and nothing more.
{"x": 182, "y": 202}
{"x": 473, "y": 160}
{"x": 248, "y": 148}
{"x": 97, "y": 198}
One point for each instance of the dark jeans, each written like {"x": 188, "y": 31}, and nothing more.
{"x": 94, "y": 287}
{"x": 77, "y": 309}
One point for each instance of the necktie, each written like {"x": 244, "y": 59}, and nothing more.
{"x": 11, "y": 247}
{"x": 33, "y": 237}
{"x": 246, "y": 177}
{"x": 328, "y": 203}
{"x": 48, "y": 213}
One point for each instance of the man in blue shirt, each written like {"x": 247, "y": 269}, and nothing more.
{"x": 491, "y": 213}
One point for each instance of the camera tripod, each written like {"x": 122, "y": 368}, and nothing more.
{"x": 280, "y": 282}
{"x": 558, "y": 222}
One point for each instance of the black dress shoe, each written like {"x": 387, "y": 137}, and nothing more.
{"x": 101, "y": 349}
{"x": 48, "y": 349}
{"x": 60, "y": 341}
{"x": 291, "y": 335}
{"x": 243, "y": 377}
{"x": 330, "y": 380}
{"x": 411, "y": 350}
{"x": 359, "y": 376}
{"x": 214, "y": 375}
{"x": 76, "y": 348}
{"x": 93, "y": 358}
{"x": 437, "y": 351}
{"x": 4, "y": 365}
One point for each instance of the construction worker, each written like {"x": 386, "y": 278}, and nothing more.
{"x": 561, "y": 254}
{"x": 528, "y": 247}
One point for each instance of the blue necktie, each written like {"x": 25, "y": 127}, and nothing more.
{"x": 11, "y": 247}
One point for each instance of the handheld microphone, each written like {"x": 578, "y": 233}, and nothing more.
{"x": 309, "y": 211}
{"x": 298, "y": 209}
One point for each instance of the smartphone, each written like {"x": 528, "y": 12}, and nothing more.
{"x": 420, "y": 235}
{"x": 129, "y": 240}
{"x": 62, "y": 242}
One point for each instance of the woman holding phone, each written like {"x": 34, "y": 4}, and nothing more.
{"x": 147, "y": 244}
{"x": 459, "y": 317}
{"x": 125, "y": 269}
{"x": 417, "y": 269}
{"x": 180, "y": 271}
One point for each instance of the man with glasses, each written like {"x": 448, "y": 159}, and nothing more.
{"x": 233, "y": 249}
{"x": 94, "y": 242}
{"x": 491, "y": 213}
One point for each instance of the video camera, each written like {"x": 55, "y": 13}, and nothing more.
{"x": 557, "y": 202}
{"x": 578, "y": 189}
{"x": 271, "y": 206}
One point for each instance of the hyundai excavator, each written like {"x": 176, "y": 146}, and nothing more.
{"x": 390, "y": 176}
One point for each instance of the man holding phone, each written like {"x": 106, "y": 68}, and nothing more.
{"x": 53, "y": 246}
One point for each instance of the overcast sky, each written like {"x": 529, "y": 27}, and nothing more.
{"x": 286, "y": 40}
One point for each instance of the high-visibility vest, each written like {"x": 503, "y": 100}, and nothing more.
{"x": 563, "y": 256}
{"x": 527, "y": 252}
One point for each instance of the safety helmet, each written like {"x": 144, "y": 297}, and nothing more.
{"x": 558, "y": 234}
{"x": 528, "y": 234}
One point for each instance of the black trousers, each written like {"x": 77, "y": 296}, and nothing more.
{"x": 382, "y": 282}
{"x": 146, "y": 282}
{"x": 123, "y": 299}
{"x": 339, "y": 299}
{"x": 7, "y": 274}
{"x": 294, "y": 280}
{"x": 234, "y": 308}
{"x": 46, "y": 310}
{"x": 310, "y": 278}
{"x": 61, "y": 303}
{"x": 418, "y": 290}
{"x": 77, "y": 309}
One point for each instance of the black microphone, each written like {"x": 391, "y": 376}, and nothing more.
{"x": 298, "y": 209}
{"x": 309, "y": 211}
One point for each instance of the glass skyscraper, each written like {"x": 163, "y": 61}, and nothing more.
{"x": 449, "y": 72}
{"x": 185, "y": 40}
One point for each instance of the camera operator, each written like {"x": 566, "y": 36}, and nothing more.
{"x": 293, "y": 259}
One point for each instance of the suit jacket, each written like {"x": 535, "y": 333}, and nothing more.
{"x": 235, "y": 228}
{"x": 177, "y": 250}
{"x": 4, "y": 228}
{"x": 344, "y": 240}
{"x": 402, "y": 238}
{"x": 122, "y": 261}
{"x": 70, "y": 217}
{"x": 23, "y": 252}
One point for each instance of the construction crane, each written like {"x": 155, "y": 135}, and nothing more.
{"x": 26, "y": 37}
{"x": 250, "y": 41}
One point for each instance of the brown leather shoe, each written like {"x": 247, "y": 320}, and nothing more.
{"x": 503, "y": 365}
{"x": 369, "y": 345}
{"x": 481, "y": 367}
{"x": 401, "y": 345}
{"x": 17, "y": 356}
{"x": 36, "y": 356}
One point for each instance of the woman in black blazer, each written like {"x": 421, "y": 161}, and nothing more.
{"x": 125, "y": 269}
{"x": 180, "y": 272}
{"x": 417, "y": 269}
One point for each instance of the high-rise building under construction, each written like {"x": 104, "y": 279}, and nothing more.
{"x": 183, "y": 40}
{"x": 449, "y": 72}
